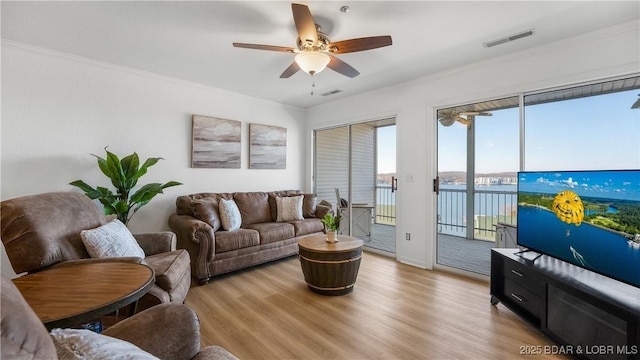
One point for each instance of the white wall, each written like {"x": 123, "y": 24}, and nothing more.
{"x": 58, "y": 109}
{"x": 609, "y": 52}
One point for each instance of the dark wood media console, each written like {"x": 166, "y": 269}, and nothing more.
{"x": 588, "y": 315}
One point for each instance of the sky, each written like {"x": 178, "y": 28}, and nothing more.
{"x": 592, "y": 133}
{"x": 386, "y": 149}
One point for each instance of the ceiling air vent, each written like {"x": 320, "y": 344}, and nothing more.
{"x": 331, "y": 92}
{"x": 517, "y": 36}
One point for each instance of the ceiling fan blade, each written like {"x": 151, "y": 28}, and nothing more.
{"x": 292, "y": 69}
{"x": 359, "y": 44}
{"x": 475, "y": 113}
{"x": 463, "y": 121}
{"x": 342, "y": 67}
{"x": 305, "y": 24}
{"x": 264, "y": 47}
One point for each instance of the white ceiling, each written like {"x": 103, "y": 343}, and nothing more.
{"x": 192, "y": 40}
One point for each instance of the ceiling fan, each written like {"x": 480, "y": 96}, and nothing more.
{"x": 449, "y": 118}
{"x": 315, "y": 51}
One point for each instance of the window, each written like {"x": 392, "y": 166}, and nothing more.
{"x": 594, "y": 126}
{"x": 589, "y": 127}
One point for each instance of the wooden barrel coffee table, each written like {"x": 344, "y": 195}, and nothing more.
{"x": 330, "y": 268}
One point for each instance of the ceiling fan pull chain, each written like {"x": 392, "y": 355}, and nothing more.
{"x": 313, "y": 84}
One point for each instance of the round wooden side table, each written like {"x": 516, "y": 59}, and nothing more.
{"x": 330, "y": 268}
{"x": 69, "y": 295}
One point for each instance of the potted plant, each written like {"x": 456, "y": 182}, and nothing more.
{"x": 331, "y": 224}
{"x": 124, "y": 174}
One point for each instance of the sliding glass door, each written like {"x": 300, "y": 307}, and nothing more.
{"x": 347, "y": 159}
{"x": 477, "y": 165}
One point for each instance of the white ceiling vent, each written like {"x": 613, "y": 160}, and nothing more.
{"x": 332, "y": 92}
{"x": 517, "y": 36}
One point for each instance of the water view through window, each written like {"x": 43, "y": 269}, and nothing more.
{"x": 590, "y": 127}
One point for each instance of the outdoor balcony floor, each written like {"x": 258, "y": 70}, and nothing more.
{"x": 383, "y": 238}
{"x": 453, "y": 251}
{"x": 465, "y": 254}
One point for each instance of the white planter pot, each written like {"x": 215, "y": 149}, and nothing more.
{"x": 331, "y": 236}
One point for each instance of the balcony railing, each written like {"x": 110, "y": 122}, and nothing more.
{"x": 491, "y": 207}
{"x": 385, "y": 205}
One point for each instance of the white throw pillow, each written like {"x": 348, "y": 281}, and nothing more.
{"x": 229, "y": 215}
{"x": 73, "y": 344}
{"x": 289, "y": 208}
{"x": 112, "y": 239}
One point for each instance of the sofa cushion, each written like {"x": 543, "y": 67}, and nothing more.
{"x": 273, "y": 232}
{"x": 272, "y": 201}
{"x": 206, "y": 209}
{"x": 234, "y": 240}
{"x": 307, "y": 226}
{"x": 183, "y": 202}
{"x": 112, "y": 239}
{"x": 289, "y": 208}
{"x": 85, "y": 344}
{"x": 254, "y": 207}
{"x": 230, "y": 215}
{"x": 170, "y": 267}
{"x": 309, "y": 205}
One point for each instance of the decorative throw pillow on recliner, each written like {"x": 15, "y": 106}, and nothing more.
{"x": 112, "y": 239}
{"x": 230, "y": 215}
{"x": 289, "y": 208}
{"x": 207, "y": 210}
{"x": 74, "y": 344}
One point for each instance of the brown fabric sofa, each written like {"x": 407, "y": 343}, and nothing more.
{"x": 168, "y": 331}
{"x": 260, "y": 239}
{"x": 43, "y": 230}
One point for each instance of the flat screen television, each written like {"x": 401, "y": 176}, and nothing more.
{"x": 588, "y": 218}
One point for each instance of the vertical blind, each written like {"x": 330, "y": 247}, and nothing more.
{"x": 332, "y": 163}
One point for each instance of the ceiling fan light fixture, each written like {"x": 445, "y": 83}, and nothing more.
{"x": 312, "y": 62}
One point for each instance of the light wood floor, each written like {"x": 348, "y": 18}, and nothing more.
{"x": 396, "y": 311}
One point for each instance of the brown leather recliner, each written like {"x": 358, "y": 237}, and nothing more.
{"x": 43, "y": 230}
{"x": 167, "y": 331}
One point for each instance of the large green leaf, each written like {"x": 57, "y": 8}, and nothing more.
{"x": 130, "y": 165}
{"x": 106, "y": 193}
{"x": 121, "y": 207}
{"x": 109, "y": 209}
{"x": 82, "y": 185}
{"x": 88, "y": 190}
{"x": 147, "y": 164}
{"x": 102, "y": 164}
{"x": 149, "y": 191}
{"x": 115, "y": 169}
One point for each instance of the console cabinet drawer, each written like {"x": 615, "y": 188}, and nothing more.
{"x": 523, "y": 276}
{"x": 523, "y": 298}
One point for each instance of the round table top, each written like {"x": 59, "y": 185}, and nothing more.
{"x": 68, "y": 295}
{"x": 318, "y": 243}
